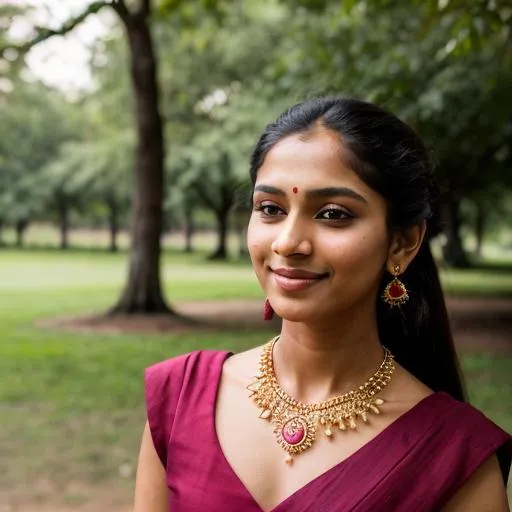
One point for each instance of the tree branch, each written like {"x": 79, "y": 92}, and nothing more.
{"x": 121, "y": 9}
{"x": 205, "y": 197}
{"x": 46, "y": 33}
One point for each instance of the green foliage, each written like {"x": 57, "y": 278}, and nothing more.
{"x": 35, "y": 122}
{"x": 442, "y": 66}
{"x": 227, "y": 69}
{"x": 86, "y": 171}
{"x": 213, "y": 118}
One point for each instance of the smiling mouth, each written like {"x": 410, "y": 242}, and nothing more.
{"x": 296, "y": 279}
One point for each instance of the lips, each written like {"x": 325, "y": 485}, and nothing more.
{"x": 290, "y": 279}
{"x": 296, "y": 273}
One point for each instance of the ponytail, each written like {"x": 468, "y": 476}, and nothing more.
{"x": 418, "y": 333}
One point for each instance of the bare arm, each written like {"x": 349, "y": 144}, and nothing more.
{"x": 150, "y": 487}
{"x": 483, "y": 492}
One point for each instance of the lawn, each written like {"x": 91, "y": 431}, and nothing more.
{"x": 71, "y": 405}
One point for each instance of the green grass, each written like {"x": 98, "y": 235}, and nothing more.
{"x": 495, "y": 281}
{"x": 490, "y": 385}
{"x": 71, "y": 405}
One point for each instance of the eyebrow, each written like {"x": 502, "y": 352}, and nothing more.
{"x": 316, "y": 193}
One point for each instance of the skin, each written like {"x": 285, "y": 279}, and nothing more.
{"x": 329, "y": 341}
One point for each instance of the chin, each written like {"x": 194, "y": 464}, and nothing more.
{"x": 296, "y": 312}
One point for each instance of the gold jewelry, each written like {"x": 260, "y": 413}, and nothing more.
{"x": 295, "y": 423}
{"x": 395, "y": 293}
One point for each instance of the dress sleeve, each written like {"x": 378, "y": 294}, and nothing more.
{"x": 486, "y": 439}
{"x": 163, "y": 384}
{"x": 473, "y": 439}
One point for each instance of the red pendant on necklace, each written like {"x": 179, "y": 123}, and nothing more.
{"x": 294, "y": 431}
{"x": 295, "y": 190}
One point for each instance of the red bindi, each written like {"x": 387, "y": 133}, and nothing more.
{"x": 295, "y": 190}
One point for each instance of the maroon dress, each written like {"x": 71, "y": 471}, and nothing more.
{"x": 416, "y": 464}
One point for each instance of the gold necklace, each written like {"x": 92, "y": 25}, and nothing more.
{"x": 296, "y": 423}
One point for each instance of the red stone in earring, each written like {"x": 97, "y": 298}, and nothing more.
{"x": 395, "y": 292}
{"x": 268, "y": 312}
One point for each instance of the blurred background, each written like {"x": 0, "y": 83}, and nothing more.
{"x": 125, "y": 132}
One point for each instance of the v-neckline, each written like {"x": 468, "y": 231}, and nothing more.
{"x": 277, "y": 508}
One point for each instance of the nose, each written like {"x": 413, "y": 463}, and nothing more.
{"x": 293, "y": 239}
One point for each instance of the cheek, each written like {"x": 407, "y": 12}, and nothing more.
{"x": 357, "y": 251}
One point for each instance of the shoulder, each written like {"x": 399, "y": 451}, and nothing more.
{"x": 177, "y": 383}
{"x": 451, "y": 442}
{"x": 177, "y": 367}
{"x": 463, "y": 432}
{"x": 448, "y": 419}
{"x": 476, "y": 435}
{"x": 466, "y": 421}
{"x": 459, "y": 441}
{"x": 484, "y": 490}
{"x": 444, "y": 444}
{"x": 167, "y": 381}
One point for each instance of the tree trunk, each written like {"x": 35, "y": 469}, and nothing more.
{"x": 243, "y": 252}
{"x": 189, "y": 230}
{"x": 453, "y": 251}
{"x": 221, "y": 252}
{"x": 241, "y": 221}
{"x": 227, "y": 199}
{"x": 64, "y": 224}
{"x": 21, "y": 227}
{"x": 479, "y": 230}
{"x": 113, "y": 224}
{"x": 143, "y": 292}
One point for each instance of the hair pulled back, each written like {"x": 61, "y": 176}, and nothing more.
{"x": 390, "y": 158}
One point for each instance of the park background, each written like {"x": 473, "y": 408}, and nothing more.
{"x": 123, "y": 199}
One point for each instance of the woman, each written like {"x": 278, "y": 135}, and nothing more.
{"x": 358, "y": 404}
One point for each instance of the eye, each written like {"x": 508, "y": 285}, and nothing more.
{"x": 269, "y": 210}
{"x": 334, "y": 214}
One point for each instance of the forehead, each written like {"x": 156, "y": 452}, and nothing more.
{"x": 309, "y": 160}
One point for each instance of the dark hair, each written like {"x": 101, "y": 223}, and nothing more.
{"x": 390, "y": 157}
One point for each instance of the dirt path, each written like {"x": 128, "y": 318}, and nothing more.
{"x": 478, "y": 324}
{"x": 482, "y": 324}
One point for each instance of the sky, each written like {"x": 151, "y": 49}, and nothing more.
{"x": 61, "y": 62}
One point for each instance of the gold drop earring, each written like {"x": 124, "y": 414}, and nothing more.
{"x": 395, "y": 293}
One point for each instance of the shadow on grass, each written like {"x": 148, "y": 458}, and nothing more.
{"x": 498, "y": 266}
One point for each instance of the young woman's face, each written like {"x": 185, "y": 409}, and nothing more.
{"x": 317, "y": 236}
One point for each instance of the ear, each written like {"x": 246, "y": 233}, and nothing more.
{"x": 404, "y": 246}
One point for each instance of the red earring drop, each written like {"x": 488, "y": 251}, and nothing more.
{"x": 268, "y": 312}
{"x": 395, "y": 292}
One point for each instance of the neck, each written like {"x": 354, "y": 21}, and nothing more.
{"x": 315, "y": 363}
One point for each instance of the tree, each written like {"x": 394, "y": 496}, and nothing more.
{"x": 444, "y": 71}
{"x": 63, "y": 185}
{"x": 85, "y": 173}
{"x": 142, "y": 293}
{"x": 216, "y": 116}
{"x": 35, "y": 122}
{"x": 110, "y": 184}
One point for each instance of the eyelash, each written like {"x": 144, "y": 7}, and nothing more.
{"x": 264, "y": 207}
